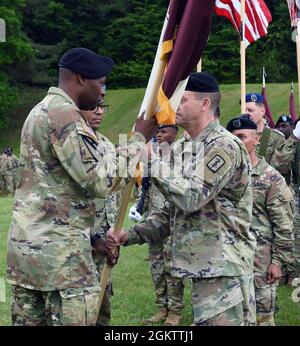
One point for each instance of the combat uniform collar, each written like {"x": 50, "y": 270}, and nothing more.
{"x": 60, "y": 92}
{"x": 260, "y": 168}
{"x": 205, "y": 132}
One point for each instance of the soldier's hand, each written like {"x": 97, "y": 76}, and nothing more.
{"x": 115, "y": 239}
{"x": 113, "y": 256}
{"x": 274, "y": 273}
{"x": 101, "y": 249}
{"x": 148, "y": 128}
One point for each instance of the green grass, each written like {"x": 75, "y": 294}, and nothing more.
{"x": 5, "y": 218}
{"x": 133, "y": 298}
{"x": 125, "y": 104}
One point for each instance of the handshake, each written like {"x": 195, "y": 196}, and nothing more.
{"x": 111, "y": 247}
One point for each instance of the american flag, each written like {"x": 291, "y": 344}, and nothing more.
{"x": 257, "y": 17}
{"x": 294, "y": 9}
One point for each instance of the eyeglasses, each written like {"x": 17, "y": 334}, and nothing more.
{"x": 104, "y": 107}
{"x": 103, "y": 87}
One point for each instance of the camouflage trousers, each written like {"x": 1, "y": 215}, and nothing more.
{"x": 104, "y": 315}
{"x": 2, "y": 184}
{"x": 72, "y": 307}
{"x": 224, "y": 301}
{"x": 294, "y": 268}
{"x": 265, "y": 296}
{"x": 168, "y": 289}
{"x": 9, "y": 185}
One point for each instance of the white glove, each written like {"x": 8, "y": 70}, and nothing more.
{"x": 134, "y": 215}
{"x": 296, "y": 131}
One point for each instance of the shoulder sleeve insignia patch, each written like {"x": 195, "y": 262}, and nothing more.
{"x": 216, "y": 163}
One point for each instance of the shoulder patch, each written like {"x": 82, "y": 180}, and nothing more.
{"x": 216, "y": 163}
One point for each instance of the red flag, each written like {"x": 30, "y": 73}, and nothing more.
{"x": 257, "y": 17}
{"x": 183, "y": 40}
{"x": 293, "y": 114}
{"x": 268, "y": 113}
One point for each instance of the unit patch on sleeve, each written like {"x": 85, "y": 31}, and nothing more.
{"x": 216, "y": 163}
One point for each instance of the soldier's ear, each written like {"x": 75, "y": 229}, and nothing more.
{"x": 256, "y": 139}
{"x": 80, "y": 79}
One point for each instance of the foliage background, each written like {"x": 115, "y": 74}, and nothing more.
{"x": 39, "y": 31}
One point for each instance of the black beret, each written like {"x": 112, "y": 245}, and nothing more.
{"x": 202, "y": 82}
{"x": 86, "y": 63}
{"x": 164, "y": 126}
{"x": 243, "y": 122}
{"x": 284, "y": 119}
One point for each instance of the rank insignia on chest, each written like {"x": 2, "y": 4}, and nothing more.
{"x": 216, "y": 163}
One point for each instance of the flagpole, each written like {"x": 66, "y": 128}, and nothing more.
{"x": 199, "y": 66}
{"x": 298, "y": 58}
{"x": 243, "y": 58}
{"x": 105, "y": 273}
{"x": 152, "y": 89}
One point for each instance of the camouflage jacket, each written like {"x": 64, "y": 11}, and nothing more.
{"x": 106, "y": 207}
{"x": 280, "y": 152}
{"x": 62, "y": 171}
{"x": 296, "y": 171}
{"x": 8, "y": 163}
{"x": 272, "y": 222}
{"x": 154, "y": 200}
{"x": 209, "y": 208}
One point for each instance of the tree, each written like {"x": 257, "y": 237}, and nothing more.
{"x": 16, "y": 48}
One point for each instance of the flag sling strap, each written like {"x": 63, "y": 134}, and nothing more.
{"x": 264, "y": 141}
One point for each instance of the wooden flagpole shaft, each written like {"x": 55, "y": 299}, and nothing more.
{"x": 243, "y": 78}
{"x": 199, "y": 66}
{"x": 154, "y": 86}
{"x": 151, "y": 93}
{"x": 105, "y": 274}
{"x": 243, "y": 59}
{"x": 298, "y": 59}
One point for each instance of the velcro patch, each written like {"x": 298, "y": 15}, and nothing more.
{"x": 216, "y": 163}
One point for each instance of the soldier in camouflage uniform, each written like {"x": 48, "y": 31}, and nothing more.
{"x": 272, "y": 222}
{"x": 277, "y": 151}
{"x": 289, "y": 270}
{"x": 208, "y": 212}
{"x": 2, "y": 181}
{"x": 8, "y": 170}
{"x": 106, "y": 209}
{"x": 63, "y": 168}
{"x": 168, "y": 289}
{"x": 285, "y": 125}
{"x": 294, "y": 269}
